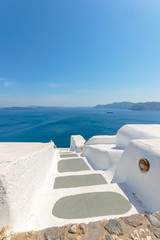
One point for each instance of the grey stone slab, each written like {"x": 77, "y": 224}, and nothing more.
{"x": 79, "y": 181}
{"x": 107, "y": 237}
{"x": 72, "y": 165}
{"x": 134, "y": 220}
{"x": 94, "y": 232}
{"x": 154, "y": 230}
{"x": 154, "y": 219}
{"x": 68, "y": 155}
{"x": 114, "y": 227}
{"x": 51, "y": 233}
{"x": 83, "y": 228}
{"x": 91, "y": 205}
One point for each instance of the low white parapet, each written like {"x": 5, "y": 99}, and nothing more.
{"x": 23, "y": 171}
{"x": 101, "y": 139}
{"x": 103, "y": 157}
{"x": 77, "y": 141}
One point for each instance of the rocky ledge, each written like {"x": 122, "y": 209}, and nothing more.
{"x": 135, "y": 227}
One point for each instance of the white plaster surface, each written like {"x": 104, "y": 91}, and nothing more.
{"x": 24, "y": 168}
{"x": 77, "y": 141}
{"x": 144, "y": 185}
{"x": 11, "y": 152}
{"x": 103, "y": 152}
{"x": 136, "y": 131}
{"x": 101, "y": 139}
{"x": 103, "y": 157}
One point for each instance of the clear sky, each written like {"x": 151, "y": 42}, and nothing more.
{"x": 79, "y": 52}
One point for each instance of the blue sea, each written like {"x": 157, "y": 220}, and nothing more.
{"x": 58, "y": 124}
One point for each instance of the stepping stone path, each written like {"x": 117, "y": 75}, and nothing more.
{"x": 94, "y": 204}
{"x": 136, "y": 227}
{"x": 72, "y": 165}
{"x": 79, "y": 180}
{"x": 84, "y": 205}
{"x": 68, "y": 155}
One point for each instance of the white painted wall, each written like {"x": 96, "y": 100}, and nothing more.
{"x": 103, "y": 157}
{"x": 104, "y": 152}
{"x": 136, "y": 131}
{"x": 144, "y": 185}
{"x": 20, "y": 179}
{"x": 101, "y": 139}
{"x": 4, "y": 208}
{"x": 77, "y": 141}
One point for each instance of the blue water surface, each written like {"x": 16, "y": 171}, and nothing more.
{"x": 58, "y": 124}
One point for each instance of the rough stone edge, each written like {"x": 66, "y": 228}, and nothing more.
{"x": 81, "y": 232}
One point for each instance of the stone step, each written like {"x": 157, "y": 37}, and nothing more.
{"x": 68, "y": 155}
{"x": 79, "y": 181}
{"x": 95, "y": 204}
{"x": 72, "y": 165}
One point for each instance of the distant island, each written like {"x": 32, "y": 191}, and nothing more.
{"x": 123, "y": 105}
{"x": 24, "y": 108}
{"x": 16, "y": 108}
{"x": 146, "y": 106}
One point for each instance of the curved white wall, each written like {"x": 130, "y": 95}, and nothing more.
{"x": 103, "y": 157}
{"x": 19, "y": 182}
{"x": 101, "y": 139}
{"x": 144, "y": 185}
{"x": 136, "y": 131}
{"x": 4, "y": 208}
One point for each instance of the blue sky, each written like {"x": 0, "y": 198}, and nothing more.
{"x": 79, "y": 52}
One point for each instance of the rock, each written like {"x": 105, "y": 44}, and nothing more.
{"x": 50, "y": 233}
{"x": 155, "y": 231}
{"x": 94, "y": 231}
{"x": 141, "y": 234}
{"x": 83, "y": 227}
{"x": 73, "y": 229}
{"x": 39, "y": 236}
{"x": 154, "y": 219}
{"x": 62, "y": 233}
{"x": 114, "y": 227}
{"x": 107, "y": 237}
{"x": 134, "y": 220}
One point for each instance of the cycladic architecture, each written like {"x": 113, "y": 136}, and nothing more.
{"x": 104, "y": 177}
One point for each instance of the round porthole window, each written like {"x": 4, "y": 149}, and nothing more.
{"x": 144, "y": 165}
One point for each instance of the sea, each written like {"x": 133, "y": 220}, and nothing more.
{"x": 58, "y": 124}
